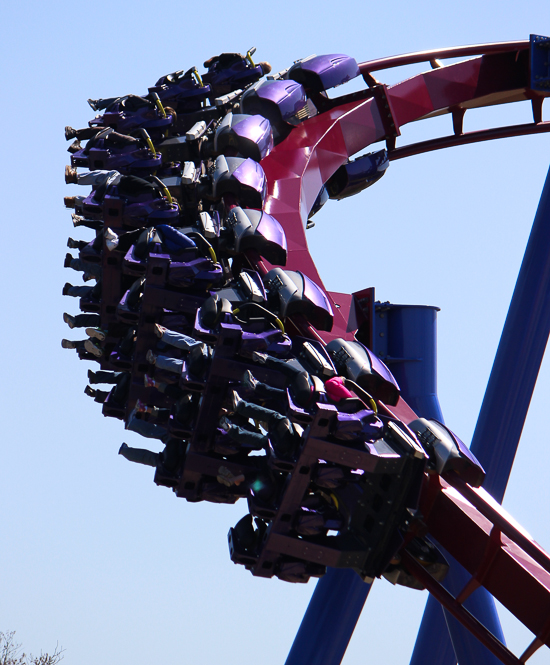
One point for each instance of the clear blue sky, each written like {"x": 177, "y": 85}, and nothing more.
{"x": 95, "y": 556}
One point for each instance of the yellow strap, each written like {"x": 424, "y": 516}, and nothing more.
{"x": 279, "y": 324}
{"x": 249, "y": 58}
{"x": 373, "y": 404}
{"x": 277, "y": 320}
{"x": 160, "y": 106}
{"x": 167, "y": 193}
{"x": 197, "y": 76}
{"x": 362, "y": 394}
{"x": 150, "y": 144}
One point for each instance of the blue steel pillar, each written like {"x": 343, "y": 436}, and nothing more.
{"x": 508, "y": 394}
{"x": 406, "y": 338}
{"x": 330, "y": 619}
{"x": 518, "y": 358}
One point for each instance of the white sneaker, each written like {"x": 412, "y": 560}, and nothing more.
{"x": 111, "y": 239}
{"x": 96, "y": 333}
{"x": 69, "y": 320}
{"x": 93, "y": 349}
{"x": 159, "y": 330}
{"x": 259, "y": 357}
{"x": 235, "y": 400}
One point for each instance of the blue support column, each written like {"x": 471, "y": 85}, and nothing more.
{"x": 507, "y": 397}
{"x": 406, "y": 335}
{"x": 330, "y": 619}
{"x": 518, "y": 358}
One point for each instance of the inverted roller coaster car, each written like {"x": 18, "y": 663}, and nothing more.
{"x": 257, "y": 388}
{"x": 368, "y": 508}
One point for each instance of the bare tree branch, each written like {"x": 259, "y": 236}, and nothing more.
{"x": 10, "y": 653}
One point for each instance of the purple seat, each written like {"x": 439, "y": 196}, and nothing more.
{"x": 145, "y": 211}
{"x": 250, "y": 135}
{"x": 271, "y": 341}
{"x": 88, "y": 253}
{"x": 230, "y": 71}
{"x": 243, "y": 178}
{"x": 357, "y": 175}
{"x": 126, "y": 160}
{"x": 199, "y": 270}
{"x": 355, "y": 361}
{"x": 255, "y": 229}
{"x": 297, "y": 294}
{"x": 209, "y": 335}
{"x": 181, "y": 91}
{"x": 124, "y": 313}
{"x": 281, "y": 102}
{"x": 321, "y": 72}
{"x": 225, "y": 445}
{"x": 190, "y": 382}
{"x": 159, "y": 241}
{"x": 90, "y": 306}
{"x": 121, "y": 362}
{"x": 91, "y": 207}
{"x": 113, "y": 410}
{"x": 296, "y": 413}
{"x": 124, "y": 121}
{"x": 133, "y": 266}
{"x": 259, "y": 508}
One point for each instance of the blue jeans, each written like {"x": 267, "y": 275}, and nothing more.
{"x": 260, "y": 413}
{"x": 170, "y": 364}
{"x": 96, "y": 178}
{"x": 179, "y": 340}
{"x": 140, "y": 456}
{"x": 80, "y": 291}
{"x": 87, "y": 266}
{"x": 146, "y": 429}
{"x": 246, "y": 437}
